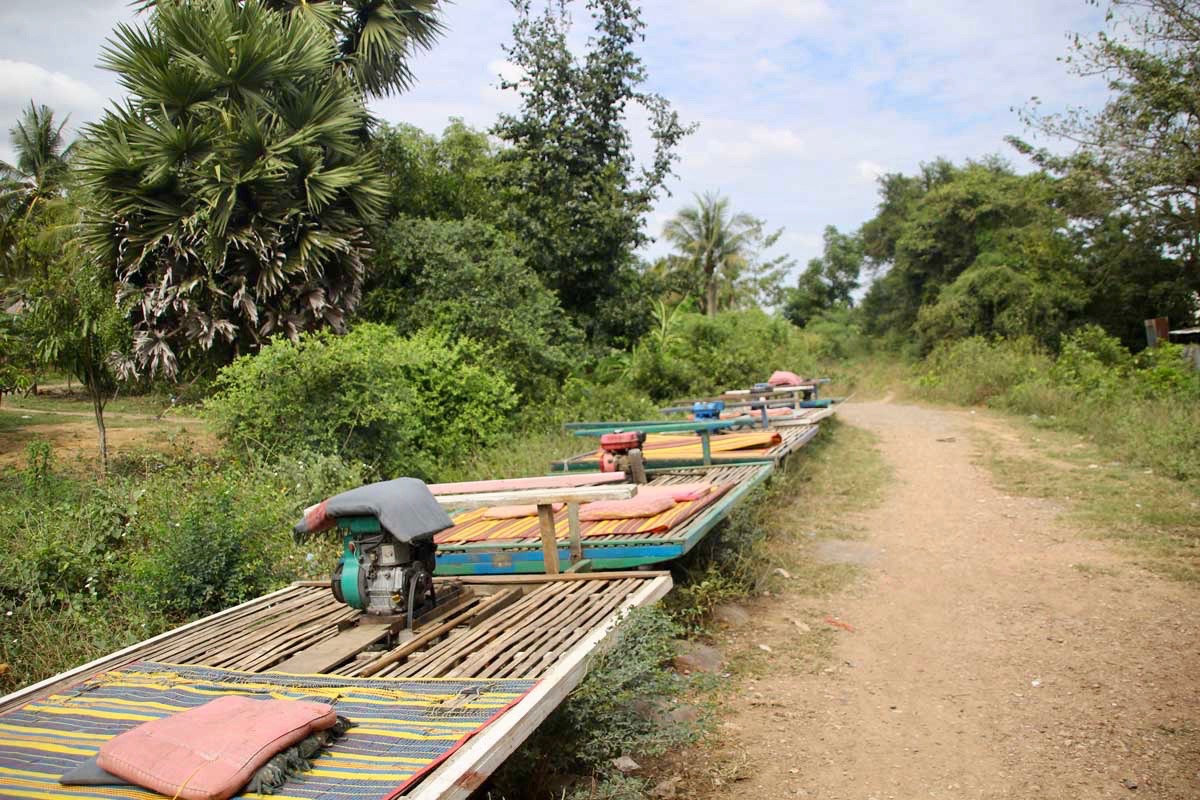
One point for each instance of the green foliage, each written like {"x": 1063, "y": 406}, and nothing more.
{"x": 228, "y": 538}
{"x": 830, "y": 281}
{"x": 465, "y": 276}
{"x": 1141, "y": 151}
{"x": 438, "y": 178}
{"x": 372, "y": 39}
{"x": 402, "y": 405}
{"x": 721, "y": 257}
{"x": 1142, "y": 409}
{"x": 620, "y": 708}
{"x": 230, "y": 193}
{"x": 87, "y": 567}
{"x": 712, "y": 354}
{"x": 571, "y": 190}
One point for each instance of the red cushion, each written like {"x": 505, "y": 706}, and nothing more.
{"x": 782, "y": 377}
{"x": 638, "y": 507}
{"x": 211, "y": 751}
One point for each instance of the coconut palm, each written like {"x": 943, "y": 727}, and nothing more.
{"x": 374, "y": 38}
{"x": 713, "y": 242}
{"x": 41, "y": 165}
{"x": 35, "y": 181}
{"x": 231, "y": 192}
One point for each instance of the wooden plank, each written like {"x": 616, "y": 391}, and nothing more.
{"x": 486, "y": 608}
{"x": 575, "y": 533}
{"x": 337, "y": 650}
{"x": 541, "y": 482}
{"x": 581, "y": 494}
{"x": 549, "y": 538}
{"x": 468, "y": 767}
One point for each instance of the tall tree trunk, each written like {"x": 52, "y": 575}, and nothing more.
{"x": 710, "y": 289}
{"x": 102, "y": 432}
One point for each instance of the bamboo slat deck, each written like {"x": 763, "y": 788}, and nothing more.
{"x": 614, "y": 551}
{"x": 538, "y": 627}
{"x": 794, "y": 437}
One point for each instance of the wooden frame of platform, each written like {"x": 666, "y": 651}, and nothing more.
{"x": 794, "y": 437}
{"x": 616, "y": 551}
{"x": 541, "y": 627}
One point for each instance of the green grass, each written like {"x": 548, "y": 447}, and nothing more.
{"x": 1156, "y": 518}
{"x": 152, "y": 405}
{"x": 15, "y": 421}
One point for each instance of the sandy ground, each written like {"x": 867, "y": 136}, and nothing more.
{"x": 74, "y": 439}
{"x": 983, "y": 661}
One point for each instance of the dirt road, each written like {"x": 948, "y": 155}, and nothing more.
{"x": 995, "y": 652}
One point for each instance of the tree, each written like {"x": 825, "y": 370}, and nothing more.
{"x": 829, "y": 281}
{"x": 715, "y": 245}
{"x": 231, "y": 193}
{"x": 447, "y": 177}
{"x": 72, "y": 324}
{"x": 26, "y": 187}
{"x": 466, "y": 276}
{"x": 372, "y": 39}
{"x": 575, "y": 196}
{"x": 1143, "y": 147}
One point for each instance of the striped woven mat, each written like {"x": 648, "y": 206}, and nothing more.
{"x": 403, "y": 727}
{"x": 472, "y": 527}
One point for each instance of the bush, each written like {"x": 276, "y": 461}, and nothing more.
{"x": 402, "y": 406}
{"x": 977, "y": 370}
{"x": 706, "y": 355}
{"x": 465, "y": 276}
{"x": 620, "y": 708}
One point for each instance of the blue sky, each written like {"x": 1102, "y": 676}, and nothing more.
{"x": 800, "y": 103}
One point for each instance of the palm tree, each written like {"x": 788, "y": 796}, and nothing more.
{"x": 27, "y": 187}
{"x": 374, "y": 38}
{"x": 231, "y": 193}
{"x": 42, "y": 155}
{"x": 713, "y": 241}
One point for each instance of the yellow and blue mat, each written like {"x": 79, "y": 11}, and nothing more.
{"x": 403, "y": 727}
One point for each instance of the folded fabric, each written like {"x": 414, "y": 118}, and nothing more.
{"x": 211, "y": 751}
{"x": 638, "y": 507}
{"x": 514, "y": 512}
{"x": 679, "y": 492}
{"x": 781, "y": 377}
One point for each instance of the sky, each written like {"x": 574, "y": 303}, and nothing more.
{"x": 801, "y": 104}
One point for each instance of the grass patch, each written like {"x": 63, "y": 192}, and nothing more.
{"x": 1156, "y": 518}
{"x": 11, "y": 421}
{"x": 153, "y": 405}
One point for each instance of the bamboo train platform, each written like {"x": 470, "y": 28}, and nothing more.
{"x": 522, "y": 642}
{"x": 684, "y": 452}
{"x": 613, "y": 551}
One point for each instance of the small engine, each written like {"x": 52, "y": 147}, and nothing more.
{"x": 381, "y": 575}
{"x": 388, "y": 551}
{"x": 621, "y": 451}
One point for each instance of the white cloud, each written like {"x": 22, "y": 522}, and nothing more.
{"x": 24, "y": 81}
{"x": 869, "y": 171}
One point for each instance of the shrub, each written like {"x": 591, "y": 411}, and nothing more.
{"x": 465, "y": 276}
{"x": 403, "y": 406}
{"x": 619, "y": 708}
{"x": 706, "y": 355}
{"x": 977, "y": 370}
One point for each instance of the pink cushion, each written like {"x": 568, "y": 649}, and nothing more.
{"x": 211, "y": 751}
{"x": 514, "y": 512}
{"x": 782, "y": 377}
{"x": 679, "y": 492}
{"x": 638, "y": 507}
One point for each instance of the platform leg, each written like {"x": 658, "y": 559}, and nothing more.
{"x": 576, "y": 534}
{"x": 706, "y": 446}
{"x": 549, "y": 539}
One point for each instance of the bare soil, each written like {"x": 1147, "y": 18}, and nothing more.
{"x": 74, "y": 439}
{"x": 989, "y": 650}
